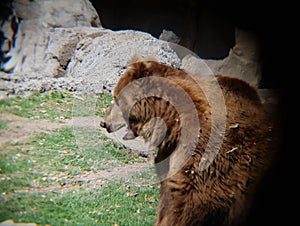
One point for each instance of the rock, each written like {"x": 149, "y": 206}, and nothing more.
{"x": 195, "y": 66}
{"x": 25, "y": 32}
{"x": 61, "y": 46}
{"x": 169, "y": 36}
{"x": 99, "y": 61}
{"x": 242, "y": 61}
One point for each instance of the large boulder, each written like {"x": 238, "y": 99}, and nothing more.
{"x": 25, "y": 30}
{"x": 243, "y": 60}
{"x": 98, "y": 61}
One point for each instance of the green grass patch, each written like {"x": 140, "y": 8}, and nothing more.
{"x": 103, "y": 102}
{"x": 50, "y": 105}
{"x": 56, "y": 105}
{"x": 14, "y": 161}
{"x": 85, "y": 148}
{"x": 3, "y": 123}
{"x": 121, "y": 202}
{"x": 91, "y": 105}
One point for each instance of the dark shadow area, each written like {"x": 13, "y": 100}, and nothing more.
{"x": 205, "y": 27}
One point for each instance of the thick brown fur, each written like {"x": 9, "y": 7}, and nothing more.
{"x": 222, "y": 193}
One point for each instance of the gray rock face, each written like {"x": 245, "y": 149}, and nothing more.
{"x": 242, "y": 61}
{"x": 98, "y": 62}
{"x": 57, "y": 13}
{"x": 25, "y": 32}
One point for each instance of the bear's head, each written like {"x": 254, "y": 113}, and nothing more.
{"x": 139, "y": 102}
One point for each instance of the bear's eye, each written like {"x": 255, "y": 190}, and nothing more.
{"x": 133, "y": 118}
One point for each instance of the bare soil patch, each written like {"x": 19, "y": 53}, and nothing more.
{"x": 90, "y": 180}
{"x": 19, "y": 129}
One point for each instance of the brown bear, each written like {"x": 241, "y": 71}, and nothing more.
{"x": 221, "y": 192}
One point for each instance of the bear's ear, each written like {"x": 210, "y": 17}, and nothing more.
{"x": 134, "y": 59}
{"x": 137, "y": 58}
{"x": 151, "y": 58}
{"x": 133, "y": 71}
{"x": 137, "y": 70}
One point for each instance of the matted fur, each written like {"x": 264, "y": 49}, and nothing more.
{"x": 221, "y": 194}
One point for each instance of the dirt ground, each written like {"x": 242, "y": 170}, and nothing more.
{"x": 19, "y": 129}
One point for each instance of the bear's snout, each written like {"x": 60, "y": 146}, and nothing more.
{"x": 106, "y": 126}
{"x": 111, "y": 127}
{"x": 103, "y": 124}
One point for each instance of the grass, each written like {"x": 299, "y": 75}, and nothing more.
{"x": 50, "y": 105}
{"x": 3, "y": 123}
{"x": 88, "y": 105}
{"x": 58, "y": 158}
{"x": 54, "y": 105}
{"x": 119, "y": 202}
